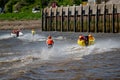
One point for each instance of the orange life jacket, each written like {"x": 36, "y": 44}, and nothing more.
{"x": 49, "y": 41}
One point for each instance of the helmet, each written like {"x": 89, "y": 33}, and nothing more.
{"x": 81, "y": 36}
{"x": 49, "y": 37}
{"x": 90, "y": 35}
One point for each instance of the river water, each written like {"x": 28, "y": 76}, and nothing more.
{"x": 28, "y": 58}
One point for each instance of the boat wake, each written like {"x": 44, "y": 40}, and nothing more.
{"x": 63, "y": 49}
{"x": 5, "y": 36}
{"x": 30, "y": 38}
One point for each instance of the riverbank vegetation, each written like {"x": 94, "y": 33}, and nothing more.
{"x": 23, "y": 9}
{"x": 20, "y": 16}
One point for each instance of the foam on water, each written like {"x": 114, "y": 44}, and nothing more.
{"x": 36, "y": 37}
{"x": 29, "y": 37}
{"x": 74, "y": 51}
{"x": 5, "y": 36}
{"x": 109, "y": 43}
{"x": 71, "y": 49}
{"x": 60, "y": 51}
{"x": 59, "y": 37}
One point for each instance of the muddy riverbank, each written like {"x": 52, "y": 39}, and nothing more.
{"x": 26, "y": 24}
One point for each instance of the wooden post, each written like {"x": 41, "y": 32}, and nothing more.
{"x": 118, "y": 23}
{"x": 81, "y": 18}
{"x": 42, "y": 24}
{"x": 61, "y": 18}
{"x": 74, "y": 18}
{"x": 96, "y": 19}
{"x": 113, "y": 22}
{"x": 108, "y": 28}
{"x": 50, "y": 19}
{"x": 104, "y": 19}
{"x": 88, "y": 27}
{"x": 45, "y": 21}
{"x": 56, "y": 23}
{"x": 68, "y": 22}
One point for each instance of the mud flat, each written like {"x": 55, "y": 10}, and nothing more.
{"x": 26, "y": 24}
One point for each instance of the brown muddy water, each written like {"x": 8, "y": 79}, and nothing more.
{"x": 28, "y": 58}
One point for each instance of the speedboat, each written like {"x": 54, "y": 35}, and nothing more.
{"x": 16, "y": 35}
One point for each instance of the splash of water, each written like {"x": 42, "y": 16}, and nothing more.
{"x": 74, "y": 51}
{"x": 109, "y": 43}
{"x": 61, "y": 49}
{"x": 29, "y": 37}
{"x": 5, "y": 36}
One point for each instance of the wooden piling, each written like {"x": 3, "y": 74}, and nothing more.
{"x": 113, "y": 22}
{"x": 81, "y": 19}
{"x": 104, "y": 19}
{"x": 96, "y": 20}
{"x": 88, "y": 26}
{"x": 61, "y": 18}
{"x": 74, "y": 18}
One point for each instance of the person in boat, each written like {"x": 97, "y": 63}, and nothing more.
{"x": 14, "y": 31}
{"x": 49, "y": 41}
{"x": 81, "y": 40}
{"x": 86, "y": 40}
{"x": 91, "y": 39}
{"x": 17, "y": 32}
{"x": 33, "y": 32}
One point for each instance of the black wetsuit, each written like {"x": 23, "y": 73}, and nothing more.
{"x": 86, "y": 40}
{"x": 17, "y": 34}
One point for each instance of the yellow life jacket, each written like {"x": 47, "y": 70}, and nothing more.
{"x": 91, "y": 40}
{"x": 33, "y": 32}
{"x": 81, "y": 42}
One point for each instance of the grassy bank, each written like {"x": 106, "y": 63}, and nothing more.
{"x": 20, "y": 16}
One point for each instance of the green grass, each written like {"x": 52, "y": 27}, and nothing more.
{"x": 20, "y": 16}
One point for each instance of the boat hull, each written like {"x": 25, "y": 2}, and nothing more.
{"x": 15, "y": 35}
